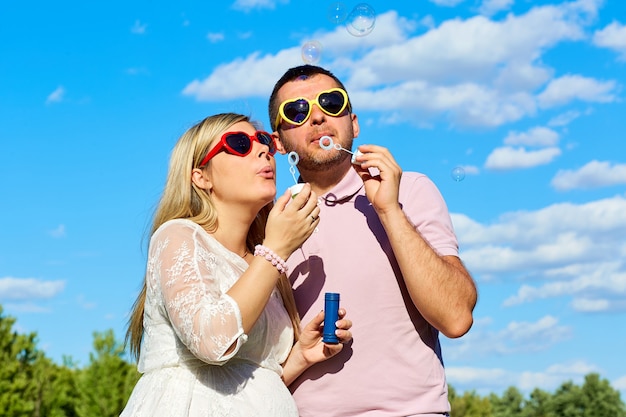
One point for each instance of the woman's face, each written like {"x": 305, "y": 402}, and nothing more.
{"x": 249, "y": 179}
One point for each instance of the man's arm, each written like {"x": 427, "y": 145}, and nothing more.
{"x": 440, "y": 287}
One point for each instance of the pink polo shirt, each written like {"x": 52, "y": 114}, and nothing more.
{"x": 393, "y": 367}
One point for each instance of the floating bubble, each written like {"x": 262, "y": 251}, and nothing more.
{"x": 337, "y": 13}
{"x": 361, "y": 20}
{"x": 458, "y": 174}
{"x": 311, "y": 52}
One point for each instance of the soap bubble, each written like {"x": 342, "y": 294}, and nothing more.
{"x": 458, "y": 174}
{"x": 311, "y": 52}
{"x": 337, "y": 13}
{"x": 361, "y": 20}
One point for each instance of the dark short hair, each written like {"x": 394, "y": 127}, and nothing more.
{"x": 291, "y": 74}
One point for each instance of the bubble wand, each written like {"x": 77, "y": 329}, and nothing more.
{"x": 293, "y": 158}
{"x": 327, "y": 143}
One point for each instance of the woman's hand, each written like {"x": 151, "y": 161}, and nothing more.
{"x": 291, "y": 221}
{"x": 310, "y": 348}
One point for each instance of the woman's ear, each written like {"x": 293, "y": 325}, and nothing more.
{"x": 279, "y": 145}
{"x": 201, "y": 179}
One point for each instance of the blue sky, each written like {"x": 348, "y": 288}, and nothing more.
{"x": 527, "y": 98}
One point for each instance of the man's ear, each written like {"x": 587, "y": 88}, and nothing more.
{"x": 201, "y": 179}
{"x": 279, "y": 145}
{"x": 355, "y": 125}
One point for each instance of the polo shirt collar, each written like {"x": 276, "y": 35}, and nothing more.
{"x": 345, "y": 190}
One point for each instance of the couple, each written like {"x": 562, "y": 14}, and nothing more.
{"x": 231, "y": 271}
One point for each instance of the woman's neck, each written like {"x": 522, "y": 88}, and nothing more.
{"x": 232, "y": 230}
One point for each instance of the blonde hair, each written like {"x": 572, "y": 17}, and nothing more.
{"x": 182, "y": 199}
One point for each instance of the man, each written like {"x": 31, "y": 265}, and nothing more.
{"x": 385, "y": 242}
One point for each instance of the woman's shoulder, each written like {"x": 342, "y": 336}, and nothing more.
{"x": 178, "y": 225}
{"x": 182, "y": 229}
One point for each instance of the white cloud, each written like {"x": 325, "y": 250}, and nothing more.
{"x": 536, "y": 136}
{"x": 603, "y": 289}
{"x": 470, "y": 169}
{"x": 248, "y": 5}
{"x": 567, "y": 88}
{"x": 464, "y": 51}
{"x": 491, "y": 7}
{"x": 590, "y": 305}
{"x": 507, "y": 158}
{"x": 29, "y": 288}
{"x": 555, "y": 375}
{"x": 575, "y": 251}
{"x": 454, "y": 71}
{"x": 468, "y": 104}
{"x": 516, "y": 337}
{"x": 565, "y": 118}
{"x": 620, "y": 383}
{"x": 27, "y": 307}
{"x": 215, "y": 37}
{"x": 137, "y": 71}
{"x": 487, "y": 380}
{"x": 139, "y": 28}
{"x": 613, "y": 36}
{"x": 233, "y": 80}
{"x": 447, "y": 3}
{"x": 594, "y": 174}
{"x": 84, "y": 304}
{"x": 58, "y": 232}
{"x": 56, "y": 96}
{"x": 467, "y": 375}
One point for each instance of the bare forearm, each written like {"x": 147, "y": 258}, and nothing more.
{"x": 294, "y": 365}
{"x": 440, "y": 287}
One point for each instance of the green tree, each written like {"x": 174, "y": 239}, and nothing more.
{"x": 106, "y": 383}
{"x": 510, "y": 404}
{"x": 17, "y": 355}
{"x": 55, "y": 388}
{"x": 600, "y": 399}
{"x": 469, "y": 405}
{"x": 567, "y": 401}
{"x": 538, "y": 404}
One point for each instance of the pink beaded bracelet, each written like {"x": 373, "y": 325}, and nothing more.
{"x": 267, "y": 253}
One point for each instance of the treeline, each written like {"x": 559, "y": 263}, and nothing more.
{"x": 32, "y": 385}
{"x": 595, "y": 398}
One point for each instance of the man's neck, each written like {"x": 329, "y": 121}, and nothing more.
{"x": 322, "y": 181}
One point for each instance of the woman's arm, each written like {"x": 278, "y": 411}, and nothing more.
{"x": 310, "y": 349}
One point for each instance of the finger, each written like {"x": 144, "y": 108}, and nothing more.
{"x": 344, "y": 336}
{"x": 343, "y": 324}
{"x": 315, "y": 213}
{"x": 303, "y": 197}
{"x": 311, "y": 202}
{"x": 316, "y": 321}
{"x": 376, "y": 156}
{"x": 282, "y": 201}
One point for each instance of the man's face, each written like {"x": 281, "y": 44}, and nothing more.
{"x": 304, "y": 139}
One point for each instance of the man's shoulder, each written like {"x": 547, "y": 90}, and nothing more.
{"x": 414, "y": 178}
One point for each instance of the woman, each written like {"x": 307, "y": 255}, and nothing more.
{"x": 215, "y": 327}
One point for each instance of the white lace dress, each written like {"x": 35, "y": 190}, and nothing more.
{"x": 189, "y": 324}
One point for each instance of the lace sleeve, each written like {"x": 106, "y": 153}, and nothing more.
{"x": 205, "y": 319}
